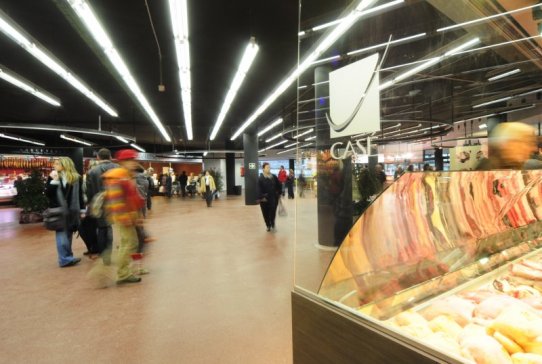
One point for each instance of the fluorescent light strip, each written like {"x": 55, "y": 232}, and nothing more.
{"x": 482, "y": 126}
{"x": 428, "y": 63}
{"x": 179, "y": 20}
{"x": 486, "y": 18}
{"x": 291, "y": 145}
{"x": 305, "y": 145}
{"x": 248, "y": 57}
{"x": 304, "y": 133}
{"x": 331, "y": 23}
{"x": 75, "y": 140}
{"x": 275, "y": 145}
{"x": 328, "y": 40}
{"x": 271, "y": 126}
{"x": 498, "y": 44}
{"x": 478, "y": 117}
{"x": 27, "y": 86}
{"x": 311, "y": 138}
{"x": 135, "y": 146}
{"x": 122, "y": 139}
{"x": 205, "y": 154}
{"x": 503, "y": 75}
{"x": 286, "y": 151}
{"x": 21, "y": 139}
{"x": 94, "y": 27}
{"x": 32, "y": 46}
{"x": 381, "y": 45}
{"x": 519, "y": 109}
{"x": 273, "y": 137}
{"x": 491, "y": 102}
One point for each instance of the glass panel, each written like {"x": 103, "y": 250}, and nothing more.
{"x": 446, "y": 73}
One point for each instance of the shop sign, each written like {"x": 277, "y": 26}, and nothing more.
{"x": 350, "y": 150}
{"x": 354, "y": 98}
{"x": 34, "y": 151}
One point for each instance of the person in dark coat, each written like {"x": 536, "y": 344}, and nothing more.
{"x": 94, "y": 186}
{"x": 290, "y": 181}
{"x": 183, "y": 179}
{"x": 65, "y": 177}
{"x": 169, "y": 185}
{"x": 269, "y": 190}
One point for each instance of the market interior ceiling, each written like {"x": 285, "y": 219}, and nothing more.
{"x": 445, "y": 93}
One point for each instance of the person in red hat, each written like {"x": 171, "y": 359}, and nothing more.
{"x": 122, "y": 203}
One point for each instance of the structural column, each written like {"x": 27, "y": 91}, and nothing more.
{"x": 250, "y": 146}
{"x": 230, "y": 170}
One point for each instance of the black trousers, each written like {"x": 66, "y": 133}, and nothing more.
{"x": 183, "y": 190}
{"x": 105, "y": 243}
{"x": 269, "y": 211}
{"x": 208, "y": 196}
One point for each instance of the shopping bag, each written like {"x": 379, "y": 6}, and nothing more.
{"x": 282, "y": 209}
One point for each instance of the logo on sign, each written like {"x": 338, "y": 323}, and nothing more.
{"x": 354, "y": 98}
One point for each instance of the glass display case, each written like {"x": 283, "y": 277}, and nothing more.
{"x": 459, "y": 256}
{"x": 7, "y": 189}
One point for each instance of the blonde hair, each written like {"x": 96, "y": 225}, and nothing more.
{"x": 69, "y": 170}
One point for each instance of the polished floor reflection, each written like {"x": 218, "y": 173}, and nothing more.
{"x": 218, "y": 291}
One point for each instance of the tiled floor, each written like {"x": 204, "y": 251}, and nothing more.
{"x": 218, "y": 291}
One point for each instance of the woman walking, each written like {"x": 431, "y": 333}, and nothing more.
{"x": 64, "y": 189}
{"x": 270, "y": 190}
{"x": 207, "y": 188}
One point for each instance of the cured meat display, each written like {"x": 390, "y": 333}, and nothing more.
{"x": 450, "y": 260}
{"x": 500, "y": 322}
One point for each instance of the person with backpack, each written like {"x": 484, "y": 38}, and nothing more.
{"x": 95, "y": 185}
{"x": 123, "y": 204}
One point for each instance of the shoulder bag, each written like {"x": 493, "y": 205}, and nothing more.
{"x": 54, "y": 218}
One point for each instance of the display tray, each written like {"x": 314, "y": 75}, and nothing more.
{"x": 497, "y": 315}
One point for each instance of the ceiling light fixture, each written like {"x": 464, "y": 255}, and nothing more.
{"x": 305, "y": 145}
{"x": 21, "y": 139}
{"x": 291, "y": 145}
{"x": 122, "y": 139}
{"x": 135, "y": 146}
{"x": 482, "y": 126}
{"x": 503, "y": 75}
{"x": 485, "y": 18}
{"x": 492, "y": 102}
{"x": 45, "y": 127}
{"x": 274, "y": 145}
{"x": 428, "y": 63}
{"x": 273, "y": 137}
{"x": 248, "y": 57}
{"x": 32, "y": 46}
{"x": 75, "y": 140}
{"x": 381, "y": 45}
{"x": 331, "y": 23}
{"x": 304, "y": 133}
{"x": 271, "y": 126}
{"x": 323, "y": 45}
{"x": 179, "y": 20}
{"x": 311, "y": 138}
{"x": 286, "y": 151}
{"x": 94, "y": 27}
{"x": 205, "y": 154}
{"x": 27, "y": 86}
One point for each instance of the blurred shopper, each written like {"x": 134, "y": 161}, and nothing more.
{"x": 511, "y": 147}
{"x": 208, "y": 188}
{"x": 123, "y": 204}
{"x": 398, "y": 173}
{"x": 427, "y": 167}
{"x": 269, "y": 189}
{"x": 94, "y": 186}
{"x": 282, "y": 179}
{"x": 410, "y": 168}
{"x": 183, "y": 180}
{"x": 64, "y": 188}
{"x": 169, "y": 185}
{"x": 143, "y": 237}
{"x": 301, "y": 183}
{"x": 152, "y": 187}
{"x": 380, "y": 176}
{"x": 290, "y": 181}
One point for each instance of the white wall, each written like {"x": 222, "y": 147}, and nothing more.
{"x": 218, "y": 165}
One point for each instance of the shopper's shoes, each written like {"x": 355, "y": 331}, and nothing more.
{"x": 149, "y": 239}
{"x": 142, "y": 271}
{"x": 87, "y": 253}
{"x": 72, "y": 263}
{"x": 269, "y": 228}
{"x": 130, "y": 279}
{"x": 93, "y": 256}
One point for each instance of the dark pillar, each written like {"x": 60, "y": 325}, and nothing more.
{"x": 439, "y": 160}
{"x": 77, "y": 157}
{"x": 230, "y": 170}
{"x": 250, "y": 146}
{"x": 291, "y": 163}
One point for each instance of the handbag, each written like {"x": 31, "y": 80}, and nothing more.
{"x": 282, "y": 209}
{"x": 54, "y": 218}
